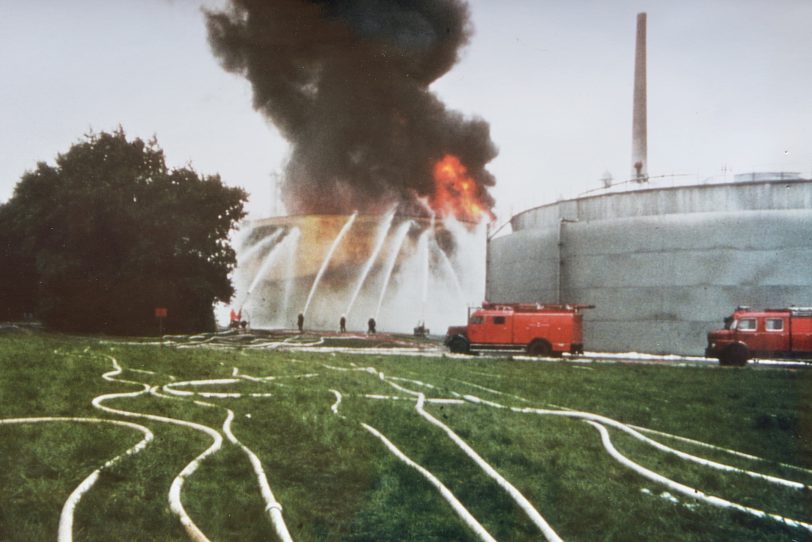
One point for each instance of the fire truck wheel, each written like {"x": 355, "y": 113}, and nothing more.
{"x": 539, "y": 347}
{"x": 735, "y": 355}
{"x": 458, "y": 345}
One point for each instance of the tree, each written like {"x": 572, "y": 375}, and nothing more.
{"x": 98, "y": 241}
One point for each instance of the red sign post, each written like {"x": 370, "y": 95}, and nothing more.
{"x": 160, "y": 314}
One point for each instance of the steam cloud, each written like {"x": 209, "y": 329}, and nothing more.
{"x": 347, "y": 84}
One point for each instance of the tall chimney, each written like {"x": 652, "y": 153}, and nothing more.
{"x": 639, "y": 137}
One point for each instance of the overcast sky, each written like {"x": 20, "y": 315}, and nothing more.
{"x": 729, "y": 86}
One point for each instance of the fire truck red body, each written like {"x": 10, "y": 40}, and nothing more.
{"x": 780, "y": 333}
{"x": 537, "y": 329}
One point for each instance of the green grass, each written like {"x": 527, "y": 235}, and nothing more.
{"x": 336, "y": 481}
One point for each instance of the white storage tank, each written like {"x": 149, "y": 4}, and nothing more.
{"x": 662, "y": 265}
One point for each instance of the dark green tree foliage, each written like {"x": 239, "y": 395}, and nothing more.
{"x": 100, "y": 240}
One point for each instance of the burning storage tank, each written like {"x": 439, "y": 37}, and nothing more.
{"x": 399, "y": 270}
{"x": 662, "y": 265}
{"x": 349, "y": 88}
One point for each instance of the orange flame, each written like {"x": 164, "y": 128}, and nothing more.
{"x": 455, "y": 193}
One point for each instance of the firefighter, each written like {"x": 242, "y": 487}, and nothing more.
{"x": 235, "y": 319}
{"x": 371, "y": 326}
{"x": 342, "y": 324}
{"x": 300, "y": 322}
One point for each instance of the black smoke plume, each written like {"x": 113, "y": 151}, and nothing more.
{"x": 347, "y": 84}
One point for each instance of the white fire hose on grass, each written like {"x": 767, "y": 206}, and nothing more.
{"x": 65, "y": 533}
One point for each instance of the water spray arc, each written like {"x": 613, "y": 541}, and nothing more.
{"x": 292, "y": 246}
{"x": 397, "y": 245}
{"x": 327, "y": 259}
{"x": 423, "y": 255}
{"x": 253, "y": 250}
{"x": 267, "y": 263}
{"x": 383, "y": 230}
{"x": 449, "y": 268}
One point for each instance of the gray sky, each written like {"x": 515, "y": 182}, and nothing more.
{"x": 728, "y": 90}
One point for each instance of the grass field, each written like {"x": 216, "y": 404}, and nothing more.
{"x": 316, "y": 422}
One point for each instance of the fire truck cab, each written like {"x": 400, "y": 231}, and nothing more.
{"x": 542, "y": 330}
{"x": 781, "y": 333}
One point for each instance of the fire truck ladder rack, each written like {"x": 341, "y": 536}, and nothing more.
{"x": 534, "y": 307}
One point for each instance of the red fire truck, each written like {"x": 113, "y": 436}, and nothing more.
{"x": 540, "y": 330}
{"x": 781, "y": 333}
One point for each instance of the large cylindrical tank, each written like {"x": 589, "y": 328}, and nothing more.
{"x": 662, "y": 266}
{"x": 402, "y": 271}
